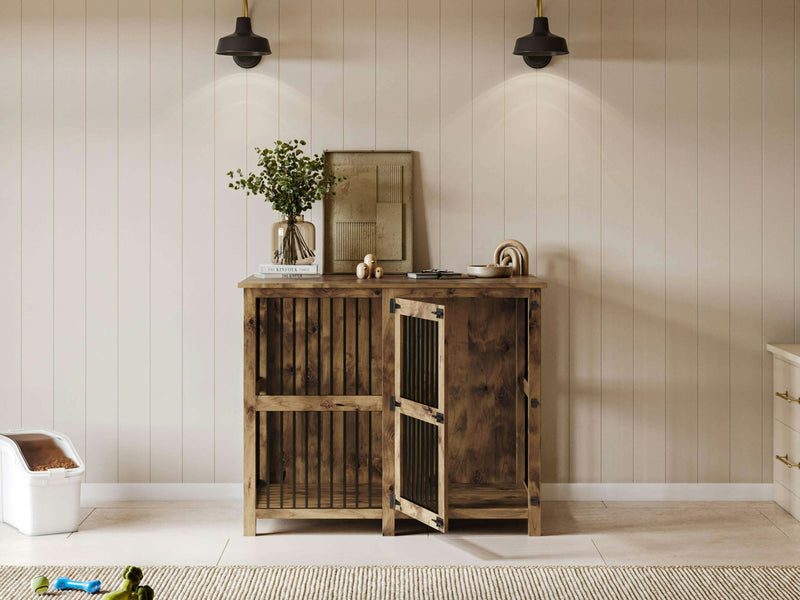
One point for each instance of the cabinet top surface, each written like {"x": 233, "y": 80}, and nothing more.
{"x": 790, "y": 352}
{"x": 392, "y": 281}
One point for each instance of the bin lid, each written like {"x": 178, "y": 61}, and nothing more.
{"x": 40, "y": 450}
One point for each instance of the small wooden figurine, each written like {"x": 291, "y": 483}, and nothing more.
{"x": 369, "y": 269}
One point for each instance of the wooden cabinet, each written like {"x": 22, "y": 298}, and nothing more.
{"x": 375, "y": 398}
{"x": 786, "y": 425}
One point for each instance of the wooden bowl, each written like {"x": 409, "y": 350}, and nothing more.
{"x": 490, "y": 270}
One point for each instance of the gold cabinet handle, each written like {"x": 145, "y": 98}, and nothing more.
{"x": 785, "y": 395}
{"x": 785, "y": 460}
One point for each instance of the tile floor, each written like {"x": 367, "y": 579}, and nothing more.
{"x": 578, "y": 533}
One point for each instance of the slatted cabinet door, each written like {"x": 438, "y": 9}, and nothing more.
{"x": 419, "y": 406}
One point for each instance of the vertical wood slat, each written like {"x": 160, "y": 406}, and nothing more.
{"x": 250, "y": 422}
{"x": 10, "y": 216}
{"x": 312, "y": 387}
{"x": 649, "y": 258}
{"x": 101, "y": 255}
{"x": 288, "y": 387}
{"x": 325, "y": 387}
{"x": 681, "y": 242}
{"x": 387, "y": 421}
{"x": 36, "y": 316}
{"x": 617, "y": 244}
{"x": 69, "y": 244}
{"x": 745, "y": 252}
{"x": 534, "y": 413}
{"x": 713, "y": 241}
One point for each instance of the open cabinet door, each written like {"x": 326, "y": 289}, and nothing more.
{"x": 419, "y": 406}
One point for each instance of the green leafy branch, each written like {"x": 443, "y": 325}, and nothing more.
{"x": 288, "y": 178}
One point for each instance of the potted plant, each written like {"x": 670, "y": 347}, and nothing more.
{"x": 291, "y": 181}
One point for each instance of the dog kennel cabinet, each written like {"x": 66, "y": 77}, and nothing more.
{"x": 383, "y": 397}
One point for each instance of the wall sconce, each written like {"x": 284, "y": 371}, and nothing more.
{"x": 540, "y": 46}
{"x": 243, "y": 45}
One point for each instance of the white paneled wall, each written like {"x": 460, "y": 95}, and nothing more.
{"x": 651, "y": 174}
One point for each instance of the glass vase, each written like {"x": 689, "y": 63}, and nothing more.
{"x": 293, "y": 241}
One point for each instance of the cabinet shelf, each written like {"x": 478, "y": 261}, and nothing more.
{"x": 488, "y": 501}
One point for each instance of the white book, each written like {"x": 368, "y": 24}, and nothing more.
{"x": 269, "y": 269}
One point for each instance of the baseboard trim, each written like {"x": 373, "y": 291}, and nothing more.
{"x": 159, "y": 492}
{"x": 215, "y": 492}
{"x": 657, "y": 491}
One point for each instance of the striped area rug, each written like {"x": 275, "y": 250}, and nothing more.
{"x": 434, "y": 583}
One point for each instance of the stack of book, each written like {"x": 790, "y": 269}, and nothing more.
{"x": 270, "y": 270}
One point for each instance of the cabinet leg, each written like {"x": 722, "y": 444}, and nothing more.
{"x": 249, "y": 525}
{"x": 535, "y": 520}
{"x": 388, "y": 522}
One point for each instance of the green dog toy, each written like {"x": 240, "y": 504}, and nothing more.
{"x": 39, "y": 584}
{"x": 131, "y": 590}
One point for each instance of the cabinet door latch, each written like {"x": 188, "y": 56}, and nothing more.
{"x": 534, "y": 402}
{"x": 534, "y": 306}
{"x": 534, "y": 500}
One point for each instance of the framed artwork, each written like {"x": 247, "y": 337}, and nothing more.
{"x": 371, "y": 212}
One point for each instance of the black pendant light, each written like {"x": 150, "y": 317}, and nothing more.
{"x": 540, "y": 46}
{"x": 243, "y": 45}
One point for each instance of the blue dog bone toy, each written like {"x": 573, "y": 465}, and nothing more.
{"x": 65, "y": 583}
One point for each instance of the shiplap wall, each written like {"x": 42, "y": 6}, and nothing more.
{"x": 651, "y": 173}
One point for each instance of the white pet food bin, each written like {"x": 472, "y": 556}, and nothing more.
{"x": 38, "y": 502}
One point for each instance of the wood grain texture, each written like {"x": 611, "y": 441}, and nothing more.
{"x": 251, "y": 466}
{"x": 534, "y": 494}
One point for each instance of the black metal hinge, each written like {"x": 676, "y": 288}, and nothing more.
{"x": 393, "y": 403}
{"x": 439, "y": 313}
{"x": 534, "y": 402}
{"x": 393, "y": 502}
{"x": 439, "y": 523}
{"x": 439, "y": 417}
{"x": 534, "y": 305}
{"x": 534, "y": 500}
{"x": 393, "y": 305}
